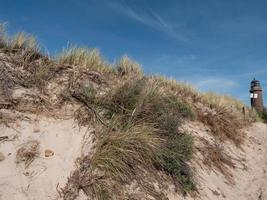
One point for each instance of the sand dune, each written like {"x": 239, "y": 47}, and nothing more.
{"x": 44, "y": 176}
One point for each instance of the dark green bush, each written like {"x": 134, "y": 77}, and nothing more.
{"x": 172, "y": 160}
{"x": 264, "y": 115}
{"x": 124, "y": 99}
{"x": 165, "y": 111}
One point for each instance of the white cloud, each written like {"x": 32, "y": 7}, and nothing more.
{"x": 214, "y": 84}
{"x": 149, "y": 18}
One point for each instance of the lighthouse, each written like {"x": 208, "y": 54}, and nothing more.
{"x": 256, "y": 96}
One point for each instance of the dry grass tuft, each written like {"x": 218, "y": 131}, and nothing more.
{"x": 215, "y": 158}
{"x": 128, "y": 68}
{"x": 25, "y": 42}
{"x": 3, "y": 37}
{"x": 263, "y": 115}
{"x": 224, "y": 124}
{"x": 137, "y": 103}
{"x": 183, "y": 91}
{"x": 83, "y": 57}
{"x": 121, "y": 154}
{"x": 28, "y": 152}
{"x": 226, "y": 116}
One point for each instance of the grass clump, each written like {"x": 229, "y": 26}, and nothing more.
{"x": 224, "y": 124}
{"x": 28, "y": 152}
{"x": 83, "y": 57}
{"x": 122, "y": 153}
{"x": 125, "y": 98}
{"x": 24, "y": 41}
{"x": 172, "y": 160}
{"x": 226, "y": 116}
{"x": 3, "y": 37}
{"x": 140, "y": 102}
{"x": 183, "y": 91}
{"x": 140, "y": 139}
{"x": 263, "y": 115}
{"x": 166, "y": 111}
{"x": 215, "y": 158}
{"x": 128, "y": 68}
{"x": 121, "y": 156}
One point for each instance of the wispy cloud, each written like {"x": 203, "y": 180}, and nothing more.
{"x": 214, "y": 84}
{"x": 251, "y": 74}
{"x": 150, "y": 18}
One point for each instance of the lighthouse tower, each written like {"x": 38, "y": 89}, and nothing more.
{"x": 256, "y": 95}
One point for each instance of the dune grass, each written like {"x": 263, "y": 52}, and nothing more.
{"x": 263, "y": 115}
{"x": 83, "y": 57}
{"x": 3, "y": 36}
{"x": 139, "y": 102}
{"x": 226, "y": 116}
{"x": 123, "y": 153}
{"x": 20, "y": 41}
{"x": 216, "y": 159}
{"x": 24, "y": 41}
{"x": 126, "y": 67}
{"x": 184, "y": 91}
{"x": 137, "y": 131}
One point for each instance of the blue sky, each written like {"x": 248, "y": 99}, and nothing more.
{"x": 217, "y": 45}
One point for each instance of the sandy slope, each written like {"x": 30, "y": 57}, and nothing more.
{"x": 66, "y": 139}
{"x": 249, "y": 175}
{"x": 40, "y": 179}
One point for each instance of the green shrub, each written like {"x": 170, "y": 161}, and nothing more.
{"x": 139, "y": 102}
{"x": 125, "y": 98}
{"x": 264, "y": 115}
{"x": 166, "y": 111}
{"x": 173, "y": 157}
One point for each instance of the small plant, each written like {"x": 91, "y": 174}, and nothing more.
{"x": 124, "y": 99}
{"x": 3, "y": 37}
{"x": 28, "y": 152}
{"x": 83, "y": 57}
{"x": 264, "y": 115}
{"x": 128, "y": 68}
{"x": 182, "y": 90}
{"x": 224, "y": 124}
{"x": 138, "y": 102}
{"x": 23, "y": 41}
{"x": 215, "y": 158}
{"x": 173, "y": 157}
{"x": 120, "y": 154}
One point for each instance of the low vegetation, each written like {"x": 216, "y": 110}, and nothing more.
{"x": 125, "y": 67}
{"x": 139, "y": 105}
{"x": 89, "y": 59}
{"x": 28, "y": 152}
{"x": 216, "y": 159}
{"x": 136, "y": 119}
{"x": 226, "y": 117}
{"x": 263, "y": 115}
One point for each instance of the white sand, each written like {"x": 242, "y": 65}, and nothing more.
{"x": 63, "y": 137}
{"x": 250, "y": 181}
{"x": 68, "y": 141}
